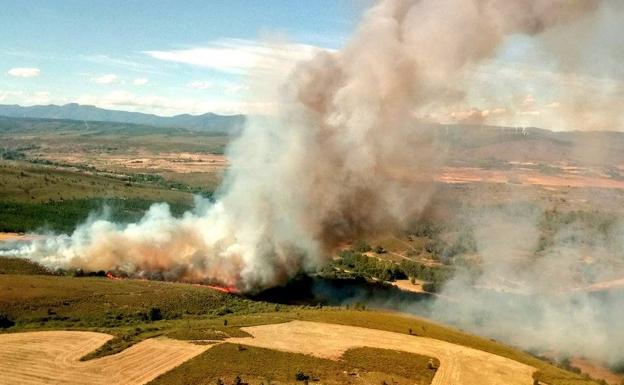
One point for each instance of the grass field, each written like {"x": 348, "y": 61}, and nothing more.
{"x": 124, "y": 309}
{"x": 36, "y": 196}
{"x": 258, "y": 365}
{"x": 23, "y": 182}
{"x": 21, "y": 266}
{"x": 64, "y": 216}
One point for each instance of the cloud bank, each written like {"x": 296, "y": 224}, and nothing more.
{"x": 24, "y": 72}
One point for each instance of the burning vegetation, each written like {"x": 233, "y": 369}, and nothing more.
{"x": 350, "y": 155}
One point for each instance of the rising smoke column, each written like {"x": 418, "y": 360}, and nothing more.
{"x": 343, "y": 158}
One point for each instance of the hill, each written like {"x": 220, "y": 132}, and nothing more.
{"x": 135, "y": 310}
{"x": 209, "y": 122}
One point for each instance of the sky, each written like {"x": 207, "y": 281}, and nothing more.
{"x": 170, "y": 57}
{"x": 164, "y": 57}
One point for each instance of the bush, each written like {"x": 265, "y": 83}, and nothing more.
{"x": 5, "y": 321}
{"x": 301, "y": 376}
{"x": 155, "y": 314}
{"x": 361, "y": 247}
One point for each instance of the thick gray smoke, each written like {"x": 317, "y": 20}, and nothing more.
{"x": 344, "y": 158}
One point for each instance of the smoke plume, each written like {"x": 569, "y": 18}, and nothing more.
{"x": 344, "y": 158}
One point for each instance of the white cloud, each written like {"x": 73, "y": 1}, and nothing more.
{"x": 105, "y": 79}
{"x": 25, "y": 98}
{"x": 239, "y": 56}
{"x": 200, "y": 85}
{"x": 24, "y": 72}
{"x": 124, "y": 100}
{"x": 236, "y": 88}
{"x": 8, "y": 96}
{"x": 140, "y": 81}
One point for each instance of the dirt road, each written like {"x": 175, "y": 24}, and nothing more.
{"x": 52, "y": 357}
{"x": 11, "y": 237}
{"x": 459, "y": 365}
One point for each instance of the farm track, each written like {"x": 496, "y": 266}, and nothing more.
{"x": 458, "y": 364}
{"x": 52, "y": 357}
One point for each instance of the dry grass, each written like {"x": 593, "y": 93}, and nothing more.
{"x": 458, "y": 364}
{"x": 53, "y": 358}
{"x": 256, "y": 365}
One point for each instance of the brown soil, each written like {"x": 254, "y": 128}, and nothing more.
{"x": 405, "y": 284}
{"x": 527, "y": 177}
{"x": 143, "y": 161}
{"x": 459, "y": 365}
{"x": 52, "y": 357}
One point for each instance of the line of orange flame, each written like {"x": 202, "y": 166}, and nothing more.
{"x": 223, "y": 289}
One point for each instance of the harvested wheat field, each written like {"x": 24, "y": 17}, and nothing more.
{"x": 458, "y": 364}
{"x": 52, "y": 357}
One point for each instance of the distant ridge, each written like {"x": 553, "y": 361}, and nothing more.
{"x": 209, "y": 122}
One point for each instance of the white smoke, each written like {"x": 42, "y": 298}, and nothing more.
{"x": 538, "y": 296}
{"x": 344, "y": 158}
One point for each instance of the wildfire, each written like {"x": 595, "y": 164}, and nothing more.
{"x": 223, "y": 289}
{"x": 110, "y": 275}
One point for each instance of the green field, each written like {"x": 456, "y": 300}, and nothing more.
{"x": 36, "y": 197}
{"x": 23, "y": 182}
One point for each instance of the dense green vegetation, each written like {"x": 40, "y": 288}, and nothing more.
{"x": 64, "y": 216}
{"x": 350, "y": 263}
{"x": 34, "y": 197}
{"x": 253, "y": 365}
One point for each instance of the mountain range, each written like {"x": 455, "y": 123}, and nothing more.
{"x": 209, "y": 122}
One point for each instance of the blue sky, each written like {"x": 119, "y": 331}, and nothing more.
{"x": 171, "y": 57}
{"x": 165, "y": 57}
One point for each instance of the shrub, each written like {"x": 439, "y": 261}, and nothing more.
{"x": 361, "y": 247}
{"x": 155, "y": 314}
{"x": 301, "y": 376}
{"x": 5, "y": 321}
